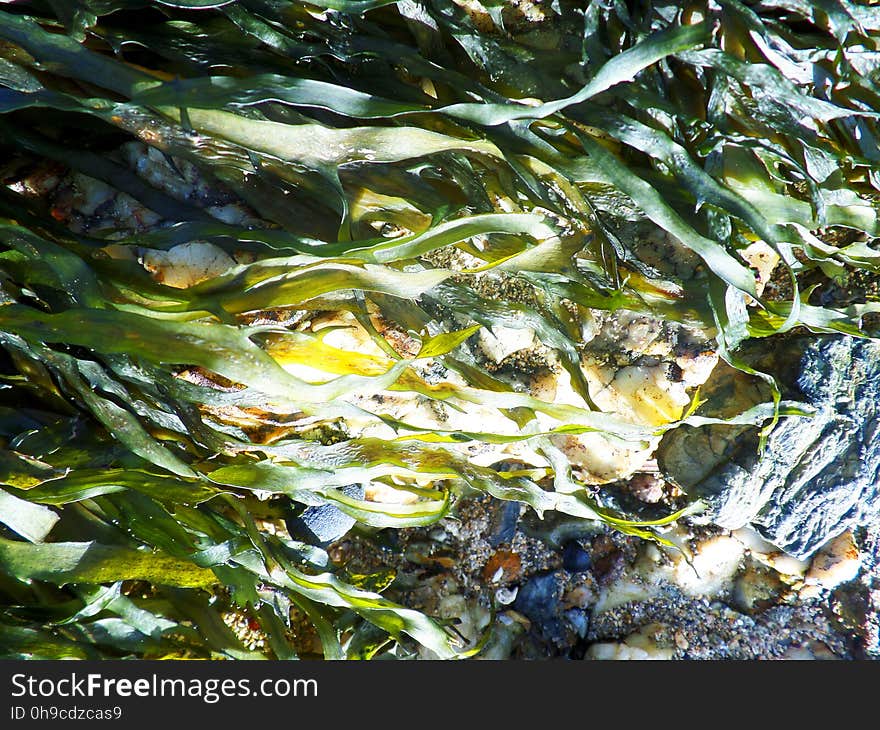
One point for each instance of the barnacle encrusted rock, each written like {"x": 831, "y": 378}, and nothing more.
{"x": 817, "y": 477}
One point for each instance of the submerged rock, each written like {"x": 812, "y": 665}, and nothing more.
{"x": 540, "y": 600}
{"x": 574, "y": 558}
{"x": 503, "y": 518}
{"x": 817, "y": 477}
{"x": 323, "y": 524}
{"x": 757, "y": 588}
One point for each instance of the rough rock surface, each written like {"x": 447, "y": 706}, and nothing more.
{"x": 817, "y": 477}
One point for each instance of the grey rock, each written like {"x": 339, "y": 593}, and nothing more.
{"x": 503, "y": 519}
{"x": 579, "y": 621}
{"x": 540, "y": 600}
{"x": 323, "y": 524}
{"x": 555, "y": 529}
{"x": 817, "y": 477}
{"x": 574, "y": 558}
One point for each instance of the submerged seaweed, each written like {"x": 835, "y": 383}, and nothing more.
{"x": 329, "y": 156}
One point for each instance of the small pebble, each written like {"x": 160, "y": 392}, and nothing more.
{"x": 646, "y": 487}
{"x": 681, "y": 641}
{"x": 503, "y": 519}
{"x": 503, "y": 566}
{"x": 574, "y": 558}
